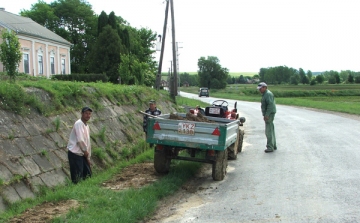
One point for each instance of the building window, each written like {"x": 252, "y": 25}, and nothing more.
{"x": 62, "y": 66}
{"x": 26, "y": 63}
{"x": 41, "y": 68}
{"x": 52, "y": 65}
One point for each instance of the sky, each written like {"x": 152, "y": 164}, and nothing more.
{"x": 246, "y": 35}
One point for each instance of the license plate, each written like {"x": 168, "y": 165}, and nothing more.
{"x": 215, "y": 111}
{"x": 185, "y": 128}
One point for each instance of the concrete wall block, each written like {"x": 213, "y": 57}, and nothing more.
{"x": 23, "y": 190}
{"x": 53, "y": 178}
{"x": 32, "y": 127}
{"x": 10, "y": 148}
{"x": 10, "y": 194}
{"x": 106, "y": 113}
{"x": 62, "y": 154}
{"x": 37, "y": 142}
{"x": 57, "y": 139}
{"x": 4, "y": 131}
{"x": 55, "y": 160}
{"x": 43, "y": 162}
{"x": 5, "y": 174}
{"x": 30, "y": 165}
{"x": 36, "y": 183}
{"x": 15, "y": 166}
{"x": 18, "y": 130}
{"x": 4, "y": 118}
{"x": 24, "y": 145}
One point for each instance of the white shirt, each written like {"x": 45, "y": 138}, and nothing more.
{"x": 79, "y": 139}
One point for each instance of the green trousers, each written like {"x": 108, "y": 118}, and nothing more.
{"x": 270, "y": 132}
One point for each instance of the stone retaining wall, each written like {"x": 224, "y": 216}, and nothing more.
{"x": 33, "y": 149}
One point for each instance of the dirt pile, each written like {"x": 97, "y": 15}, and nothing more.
{"x": 190, "y": 117}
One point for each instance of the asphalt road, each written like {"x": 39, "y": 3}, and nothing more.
{"x": 314, "y": 176}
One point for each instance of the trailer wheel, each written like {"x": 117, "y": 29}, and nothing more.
{"x": 161, "y": 160}
{"x": 232, "y": 151}
{"x": 220, "y": 165}
{"x": 241, "y": 139}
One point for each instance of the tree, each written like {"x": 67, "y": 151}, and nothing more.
{"x": 242, "y": 80}
{"x": 106, "y": 55}
{"x": 350, "y": 78}
{"x": 75, "y": 21}
{"x": 102, "y": 21}
{"x": 309, "y": 75}
{"x": 320, "y": 78}
{"x": 112, "y": 20}
{"x": 10, "y": 54}
{"x": 42, "y": 13}
{"x": 295, "y": 79}
{"x": 303, "y": 78}
{"x": 211, "y": 74}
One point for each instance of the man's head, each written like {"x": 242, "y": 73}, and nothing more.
{"x": 152, "y": 105}
{"x": 262, "y": 87}
{"x": 86, "y": 114}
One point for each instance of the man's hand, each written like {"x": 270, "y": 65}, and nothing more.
{"x": 86, "y": 154}
{"x": 266, "y": 118}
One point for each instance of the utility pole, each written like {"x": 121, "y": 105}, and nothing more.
{"x": 175, "y": 92}
{"x": 158, "y": 76}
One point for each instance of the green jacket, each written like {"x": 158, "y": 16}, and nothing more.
{"x": 268, "y": 105}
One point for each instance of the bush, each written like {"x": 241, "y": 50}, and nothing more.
{"x": 81, "y": 77}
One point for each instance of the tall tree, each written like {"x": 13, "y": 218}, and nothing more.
{"x": 309, "y": 74}
{"x": 102, "y": 21}
{"x": 10, "y": 54}
{"x": 112, "y": 20}
{"x": 211, "y": 74}
{"x": 42, "y": 13}
{"x": 75, "y": 21}
{"x": 106, "y": 55}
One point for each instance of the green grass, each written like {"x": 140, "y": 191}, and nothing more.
{"x": 340, "y": 98}
{"x": 64, "y": 96}
{"x": 104, "y": 205}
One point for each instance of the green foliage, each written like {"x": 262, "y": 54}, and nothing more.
{"x": 102, "y": 21}
{"x": 81, "y": 77}
{"x": 101, "y": 134}
{"x": 106, "y": 54}
{"x": 99, "y": 153}
{"x": 320, "y": 78}
{"x": 13, "y": 98}
{"x": 44, "y": 152}
{"x": 57, "y": 123}
{"x": 211, "y": 74}
{"x": 10, "y": 54}
{"x": 75, "y": 21}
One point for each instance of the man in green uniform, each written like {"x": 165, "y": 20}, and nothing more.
{"x": 268, "y": 108}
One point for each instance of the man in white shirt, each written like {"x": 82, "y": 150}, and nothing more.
{"x": 79, "y": 147}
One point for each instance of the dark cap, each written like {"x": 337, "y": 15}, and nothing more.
{"x": 84, "y": 109}
{"x": 152, "y": 102}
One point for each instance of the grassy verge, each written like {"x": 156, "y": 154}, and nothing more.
{"x": 104, "y": 205}
{"x": 340, "y": 98}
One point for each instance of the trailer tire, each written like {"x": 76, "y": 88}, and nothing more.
{"x": 161, "y": 161}
{"x": 219, "y": 166}
{"x": 241, "y": 139}
{"x": 232, "y": 151}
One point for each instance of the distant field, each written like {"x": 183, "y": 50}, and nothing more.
{"x": 341, "y": 97}
{"x": 233, "y": 74}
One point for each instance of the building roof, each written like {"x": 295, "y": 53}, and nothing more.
{"x": 26, "y": 26}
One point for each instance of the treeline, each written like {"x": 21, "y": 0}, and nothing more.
{"x": 288, "y": 75}
{"x": 101, "y": 43}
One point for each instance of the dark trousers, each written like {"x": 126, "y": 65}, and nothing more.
{"x": 79, "y": 168}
